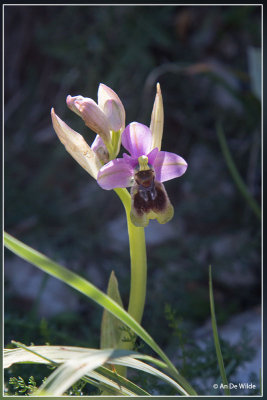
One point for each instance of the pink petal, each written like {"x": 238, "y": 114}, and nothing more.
{"x": 168, "y": 166}
{"x": 92, "y": 115}
{"x": 104, "y": 94}
{"x": 114, "y": 115}
{"x": 98, "y": 142}
{"x": 115, "y": 174}
{"x": 99, "y": 147}
{"x": 152, "y": 155}
{"x": 137, "y": 139}
{"x": 133, "y": 161}
{"x": 70, "y": 100}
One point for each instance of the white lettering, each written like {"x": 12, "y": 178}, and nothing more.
{"x": 240, "y": 385}
{"x": 232, "y": 386}
{"x": 247, "y": 386}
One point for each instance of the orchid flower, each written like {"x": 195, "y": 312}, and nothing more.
{"x": 144, "y": 170}
{"x": 107, "y": 119}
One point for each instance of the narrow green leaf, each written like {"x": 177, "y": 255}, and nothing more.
{"x": 216, "y": 338}
{"x": 235, "y": 174}
{"x": 89, "y": 290}
{"x": 58, "y": 354}
{"x": 77, "y": 362}
{"x": 111, "y": 327}
{"x": 55, "y": 355}
{"x": 41, "y": 354}
{"x": 140, "y": 365}
{"x": 74, "y": 369}
{"x": 71, "y": 371}
{"x": 100, "y": 384}
{"x": 108, "y": 386}
{"x": 122, "y": 381}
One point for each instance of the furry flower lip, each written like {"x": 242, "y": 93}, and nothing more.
{"x": 144, "y": 170}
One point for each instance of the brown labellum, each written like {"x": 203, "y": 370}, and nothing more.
{"x": 149, "y": 199}
{"x": 149, "y": 195}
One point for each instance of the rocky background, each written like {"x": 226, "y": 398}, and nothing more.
{"x": 207, "y": 60}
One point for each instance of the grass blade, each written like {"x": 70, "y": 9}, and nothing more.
{"x": 56, "y": 355}
{"x": 120, "y": 380}
{"x": 88, "y": 289}
{"x": 71, "y": 371}
{"x": 74, "y": 369}
{"x": 235, "y": 174}
{"x": 216, "y": 338}
{"x": 77, "y": 362}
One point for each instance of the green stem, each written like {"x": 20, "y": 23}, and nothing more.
{"x": 137, "y": 245}
{"x": 138, "y": 261}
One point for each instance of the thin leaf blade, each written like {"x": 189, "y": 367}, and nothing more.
{"x": 88, "y": 289}
{"x": 240, "y": 184}
{"x": 77, "y": 362}
{"x": 56, "y": 355}
{"x": 216, "y": 338}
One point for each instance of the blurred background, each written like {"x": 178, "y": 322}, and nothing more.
{"x": 208, "y": 62}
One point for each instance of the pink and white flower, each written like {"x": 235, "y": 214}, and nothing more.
{"x": 107, "y": 119}
{"x": 144, "y": 170}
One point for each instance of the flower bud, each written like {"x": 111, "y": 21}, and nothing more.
{"x": 113, "y": 114}
{"x": 114, "y": 109}
{"x": 92, "y": 115}
{"x": 71, "y": 103}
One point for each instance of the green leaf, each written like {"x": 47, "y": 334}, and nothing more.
{"x": 78, "y": 362}
{"x": 104, "y": 373}
{"x": 89, "y": 290}
{"x": 111, "y": 327}
{"x": 71, "y": 371}
{"x": 55, "y": 355}
{"x": 216, "y": 338}
{"x": 74, "y": 369}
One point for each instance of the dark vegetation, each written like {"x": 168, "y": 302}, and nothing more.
{"x": 201, "y": 57}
